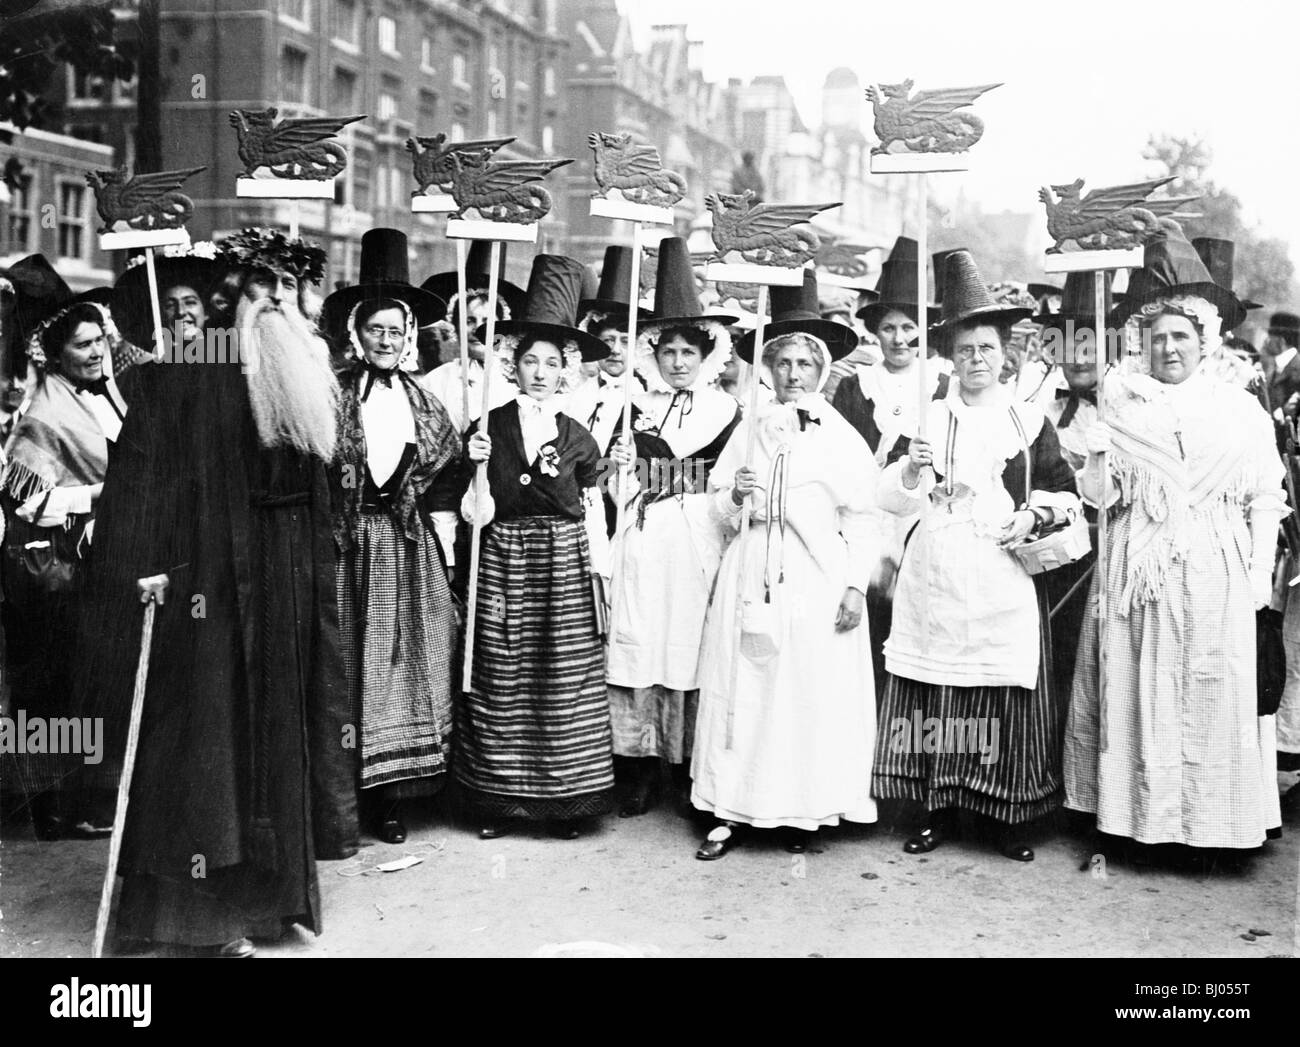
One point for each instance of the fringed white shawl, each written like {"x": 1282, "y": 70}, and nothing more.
{"x": 1180, "y": 453}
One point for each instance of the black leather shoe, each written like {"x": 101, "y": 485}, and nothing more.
{"x": 639, "y": 801}
{"x": 718, "y": 843}
{"x": 796, "y": 840}
{"x": 393, "y": 827}
{"x": 924, "y": 842}
{"x": 569, "y": 829}
{"x": 494, "y": 831}
{"x": 1017, "y": 851}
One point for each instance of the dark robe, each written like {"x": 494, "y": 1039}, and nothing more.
{"x": 246, "y": 769}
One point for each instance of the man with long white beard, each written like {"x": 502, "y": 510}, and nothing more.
{"x": 219, "y": 506}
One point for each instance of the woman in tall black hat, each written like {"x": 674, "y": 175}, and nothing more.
{"x": 881, "y": 402}
{"x": 598, "y": 402}
{"x": 1195, "y": 499}
{"x": 53, "y": 470}
{"x": 966, "y": 643}
{"x": 669, "y": 550}
{"x": 445, "y": 380}
{"x": 396, "y": 481}
{"x": 535, "y": 733}
{"x": 787, "y": 715}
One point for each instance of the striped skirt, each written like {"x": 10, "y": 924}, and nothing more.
{"x": 397, "y": 628}
{"x": 991, "y": 750}
{"x": 534, "y": 730}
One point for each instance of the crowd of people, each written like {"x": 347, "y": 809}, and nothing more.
{"x": 853, "y": 592}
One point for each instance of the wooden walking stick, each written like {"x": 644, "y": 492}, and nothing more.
{"x": 774, "y": 245}
{"x": 152, "y": 603}
{"x": 632, "y": 186}
{"x": 1100, "y": 233}
{"x": 509, "y": 198}
{"x": 912, "y": 141}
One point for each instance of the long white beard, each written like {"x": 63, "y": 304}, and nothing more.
{"x": 291, "y": 384}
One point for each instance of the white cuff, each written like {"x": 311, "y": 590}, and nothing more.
{"x": 62, "y": 502}
{"x": 1089, "y": 483}
{"x": 1264, "y": 520}
{"x": 444, "y": 526}
{"x": 487, "y": 509}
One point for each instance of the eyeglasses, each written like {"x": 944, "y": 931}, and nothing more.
{"x": 395, "y": 334}
{"x": 967, "y": 352}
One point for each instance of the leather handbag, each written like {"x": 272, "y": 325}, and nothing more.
{"x": 39, "y": 562}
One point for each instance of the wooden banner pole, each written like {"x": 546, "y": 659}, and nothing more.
{"x": 480, "y": 474}
{"x": 634, "y": 298}
{"x": 159, "y": 340}
{"x": 1103, "y": 604}
{"x": 746, "y": 508}
{"x": 462, "y": 289}
{"x": 923, "y": 385}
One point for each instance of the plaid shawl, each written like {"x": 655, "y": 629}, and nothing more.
{"x": 437, "y": 445}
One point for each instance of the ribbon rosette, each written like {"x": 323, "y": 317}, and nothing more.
{"x": 645, "y": 424}
{"x": 548, "y": 459}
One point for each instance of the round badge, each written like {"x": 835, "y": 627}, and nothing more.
{"x": 898, "y": 410}
{"x": 525, "y": 479}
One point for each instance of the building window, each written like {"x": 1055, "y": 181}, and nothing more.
{"x": 387, "y": 106}
{"x": 343, "y": 92}
{"x": 72, "y": 219}
{"x": 360, "y": 168}
{"x": 458, "y": 72}
{"x": 347, "y": 24}
{"x": 458, "y": 132}
{"x": 293, "y": 76}
{"x": 491, "y": 123}
{"x": 388, "y": 34}
{"x": 298, "y": 11}
{"x": 86, "y": 87}
{"x": 548, "y": 139}
{"x": 548, "y": 81}
{"x": 428, "y": 120}
{"x": 20, "y": 214}
{"x": 426, "y": 55}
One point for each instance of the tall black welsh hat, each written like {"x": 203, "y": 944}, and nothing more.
{"x": 1219, "y": 255}
{"x": 611, "y": 295}
{"x": 550, "y": 308}
{"x": 385, "y": 273}
{"x": 677, "y": 301}
{"x": 966, "y": 297}
{"x": 478, "y": 267}
{"x": 795, "y": 310}
{"x": 1172, "y": 267}
{"x": 896, "y": 289}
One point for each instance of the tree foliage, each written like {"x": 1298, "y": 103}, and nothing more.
{"x": 1264, "y": 270}
{"x": 36, "y": 45}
